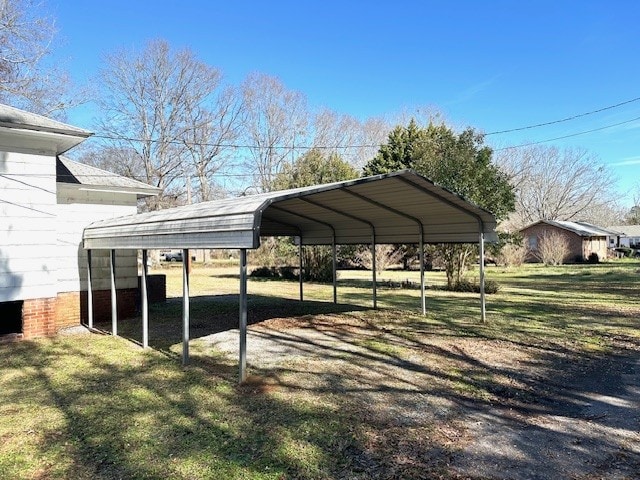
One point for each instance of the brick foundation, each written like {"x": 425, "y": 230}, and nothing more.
{"x": 38, "y": 317}
{"x": 43, "y": 317}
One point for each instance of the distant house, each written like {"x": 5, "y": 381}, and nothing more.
{"x": 46, "y": 201}
{"x": 625, "y": 236}
{"x": 583, "y": 239}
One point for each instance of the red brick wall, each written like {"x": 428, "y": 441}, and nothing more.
{"x": 539, "y": 230}
{"x": 43, "y": 317}
{"x": 579, "y": 248}
{"x": 38, "y": 317}
{"x": 126, "y": 299}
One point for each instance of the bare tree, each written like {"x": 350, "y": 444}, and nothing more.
{"x": 355, "y": 141}
{"x": 386, "y": 257}
{"x": 26, "y": 36}
{"x": 153, "y": 104}
{"x": 555, "y": 184}
{"x": 276, "y": 122}
{"x": 209, "y": 139}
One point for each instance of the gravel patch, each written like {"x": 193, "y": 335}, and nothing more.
{"x": 551, "y": 419}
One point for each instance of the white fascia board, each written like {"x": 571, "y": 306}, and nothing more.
{"x": 36, "y": 142}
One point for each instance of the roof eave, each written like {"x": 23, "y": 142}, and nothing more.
{"x": 140, "y": 192}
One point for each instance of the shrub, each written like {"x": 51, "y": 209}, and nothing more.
{"x": 553, "y": 248}
{"x": 318, "y": 263}
{"x": 466, "y": 285}
{"x": 283, "y": 273}
{"x": 265, "y": 272}
{"x": 626, "y": 251}
{"x": 593, "y": 258}
{"x": 386, "y": 256}
{"x": 513, "y": 255}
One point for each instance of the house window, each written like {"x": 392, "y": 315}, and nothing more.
{"x": 533, "y": 242}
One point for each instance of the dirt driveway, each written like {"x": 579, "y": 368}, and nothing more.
{"x": 437, "y": 406}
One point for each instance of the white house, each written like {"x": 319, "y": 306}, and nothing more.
{"x": 46, "y": 201}
{"x": 626, "y": 236}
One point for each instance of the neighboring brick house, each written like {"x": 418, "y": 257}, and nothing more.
{"x": 583, "y": 239}
{"x": 46, "y": 201}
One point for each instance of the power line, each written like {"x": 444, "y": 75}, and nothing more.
{"x": 573, "y": 117}
{"x": 235, "y": 145}
{"x": 568, "y": 136}
{"x": 4, "y": 175}
{"x": 26, "y": 207}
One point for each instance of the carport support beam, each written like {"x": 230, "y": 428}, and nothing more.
{"x": 114, "y": 298}
{"x": 334, "y": 258}
{"x": 145, "y": 301}
{"x": 421, "y": 257}
{"x": 89, "y": 291}
{"x": 185, "y": 307}
{"x": 243, "y": 314}
{"x": 483, "y": 308}
{"x": 301, "y": 274}
{"x": 373, "y": 273}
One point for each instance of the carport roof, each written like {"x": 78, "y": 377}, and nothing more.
{"x": 397, "y": 207}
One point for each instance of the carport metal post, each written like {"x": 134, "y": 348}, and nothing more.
{"x": 145, "y": 301}
{"x": 421, "y": 257}
{"x": 373, "y": 273}
{"x": 185, "y": 307}
{"x": 89, "y": 291}
{"x": 301, "y": 265}
{"x": 114, "y": 298}
{"x": 420, "y": 229}
{"x": 334, "y": 258}
{"x": 483, "y": 309}
{"x": 243, "y": 314}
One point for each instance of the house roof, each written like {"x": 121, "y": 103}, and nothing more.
{"x": 626, "y": 230}
{"x": 69, "y": 171}
{"x": 397, "y": 207}
{"x": 12, "y": 117}
{"x": 582, "y": 229}
{"x": 26, "y": 131}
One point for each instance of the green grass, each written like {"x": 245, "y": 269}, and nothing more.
{"x": 95, "y": 406}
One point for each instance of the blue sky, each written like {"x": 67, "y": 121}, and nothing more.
{"x": 493, "y": 65}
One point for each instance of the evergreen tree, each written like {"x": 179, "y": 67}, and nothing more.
{"x": 459, "y": 162}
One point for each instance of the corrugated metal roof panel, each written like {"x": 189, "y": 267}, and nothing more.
{"x": 394, "y": 204}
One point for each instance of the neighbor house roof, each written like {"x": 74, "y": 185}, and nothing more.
{"x": 582, "y": 229}
{"x": 68, "y": 171}
{"x": 26, "y": 125}
{"x": 626, "y": 230}
{"x": 395, "y": 208}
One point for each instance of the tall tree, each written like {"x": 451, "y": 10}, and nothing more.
{"x": 458, "y": 161}
{"x": 276, "y": 121}
{"x": 155, "y": 106}
{"x": 313, "y": 168}
{"x": 211, "y": 130}
{"x": 633, "y": 215}
{"x": 556, "y": 184}
{"x": 26, "y": 81}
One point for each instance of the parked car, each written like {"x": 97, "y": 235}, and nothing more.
{"x": 173, "y": 256}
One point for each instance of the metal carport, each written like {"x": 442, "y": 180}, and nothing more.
{"x": 399, "y": 207}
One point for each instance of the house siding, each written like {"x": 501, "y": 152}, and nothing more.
{"x": 42, "y": 261}
{"x": 77, "y": 209}
{"x": 28, "y": 227}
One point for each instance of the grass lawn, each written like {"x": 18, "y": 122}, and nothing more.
{"x": 378, "y": 399}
